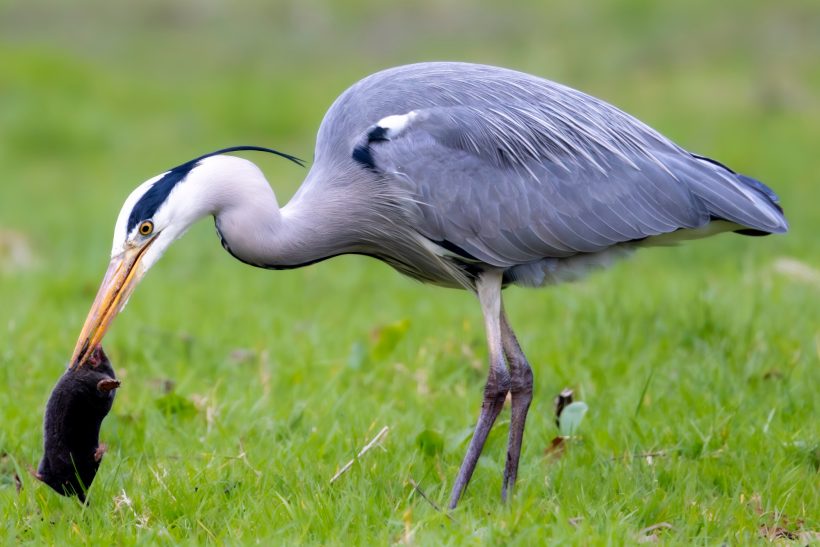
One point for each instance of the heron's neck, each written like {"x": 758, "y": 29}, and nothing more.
{"x": 255, "y": 230}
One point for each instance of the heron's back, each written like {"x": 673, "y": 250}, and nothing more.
{"x": 503, "y": 169}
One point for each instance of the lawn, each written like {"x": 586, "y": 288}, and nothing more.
{"x": 245, "y": 391}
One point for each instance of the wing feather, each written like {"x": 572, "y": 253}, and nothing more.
{"x": 512, "y": 169}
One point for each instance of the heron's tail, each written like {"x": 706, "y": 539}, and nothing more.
{"x": 742, "y": 200}
{"x": 771, "y": 199}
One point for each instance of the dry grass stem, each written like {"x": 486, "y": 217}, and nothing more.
{"x": 379, "y": 436}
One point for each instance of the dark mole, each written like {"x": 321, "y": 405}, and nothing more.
{"x": 71, "y": 430}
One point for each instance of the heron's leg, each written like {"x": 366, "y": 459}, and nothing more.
{"x": 520, "y": 398}
{"x": 488, "y": 288}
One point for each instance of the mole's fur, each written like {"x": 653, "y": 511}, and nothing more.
{"x": 78, "y": 404}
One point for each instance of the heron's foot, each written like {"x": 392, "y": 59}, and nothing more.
{"x": 520, "y": 396}
{"x": 495, "y": 392}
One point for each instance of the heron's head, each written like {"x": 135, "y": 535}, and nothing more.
{"x": 155, "y": 215}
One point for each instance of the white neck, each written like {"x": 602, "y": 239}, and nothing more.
{"x": 252, "y": 226}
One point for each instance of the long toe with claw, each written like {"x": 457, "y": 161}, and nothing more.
{"x": 520, "y": 398}
{"x": 495, "y": 392}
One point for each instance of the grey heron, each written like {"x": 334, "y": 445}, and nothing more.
{"x": 461, "y": 175}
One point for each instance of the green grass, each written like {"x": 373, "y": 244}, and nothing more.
{"x": 706, "y": 353}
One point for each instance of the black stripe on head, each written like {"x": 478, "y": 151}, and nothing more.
{"x": 151, "y": 200}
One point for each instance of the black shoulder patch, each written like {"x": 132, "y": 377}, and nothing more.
{"x": 377, "y": 133}
{"x": 362, "y": 152}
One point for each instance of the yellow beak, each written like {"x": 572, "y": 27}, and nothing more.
{"x": 122, "y": 276}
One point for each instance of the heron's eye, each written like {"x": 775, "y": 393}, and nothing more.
{"x": 146, "y": 228}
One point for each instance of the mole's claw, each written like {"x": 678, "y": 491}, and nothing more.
{"x": 107, "y": 384}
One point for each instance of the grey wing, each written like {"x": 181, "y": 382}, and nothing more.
{"x": 509, "y": 184}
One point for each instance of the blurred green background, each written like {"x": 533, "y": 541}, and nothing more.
{"x": 96, "y": 97}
